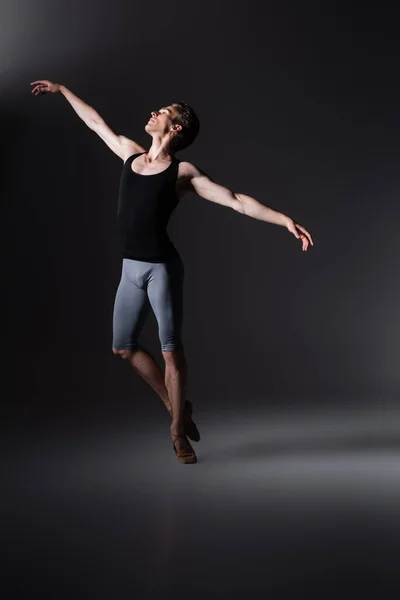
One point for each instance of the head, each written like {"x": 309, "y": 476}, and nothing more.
{"x": 177, "y": 122}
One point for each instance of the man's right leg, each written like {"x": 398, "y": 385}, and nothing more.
{"x": 131, "y": 308}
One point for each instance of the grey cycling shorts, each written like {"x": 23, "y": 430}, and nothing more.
{"x": 144, "y": 285}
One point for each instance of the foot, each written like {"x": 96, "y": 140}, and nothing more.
{"x": 190, "y": 428}
{"x": 182, "y": 447}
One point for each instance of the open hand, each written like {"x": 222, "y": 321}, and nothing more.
{"x": 43, "y": 86}
{"x": 300, "y": 233}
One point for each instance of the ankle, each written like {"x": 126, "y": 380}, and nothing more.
{"x": 177, "y": 429}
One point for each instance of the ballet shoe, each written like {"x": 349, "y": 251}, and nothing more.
{"x": 186, "y": 456}
{"x": 191, "y": 430}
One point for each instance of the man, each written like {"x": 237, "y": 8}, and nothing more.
{"x": 152, "y": 183}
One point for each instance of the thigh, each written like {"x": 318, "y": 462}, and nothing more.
{"x": 131, "y": 307}
{"x": 165, "y": 292}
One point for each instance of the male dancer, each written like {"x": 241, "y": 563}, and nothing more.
{"x": 152, "y": 184}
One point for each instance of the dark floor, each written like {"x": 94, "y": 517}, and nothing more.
{"x": 284, "y": 503}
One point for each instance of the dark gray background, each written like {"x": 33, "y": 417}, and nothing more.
{"x": 299, "y": 108}
{"x": 293, "y": 356}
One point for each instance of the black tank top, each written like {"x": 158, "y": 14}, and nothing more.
{"x": 145, "y": 204}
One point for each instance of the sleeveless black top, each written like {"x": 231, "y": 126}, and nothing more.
{"x": 145, "y": 204}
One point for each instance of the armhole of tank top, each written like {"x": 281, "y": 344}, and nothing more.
{"x": 132, "y": 156}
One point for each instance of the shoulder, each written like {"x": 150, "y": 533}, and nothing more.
{"x": 187, "y": 171}
{"x": 190, "y": 176}
{"x": 130, "y": 147}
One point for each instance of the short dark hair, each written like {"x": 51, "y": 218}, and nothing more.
{"x": 190, "y": 123}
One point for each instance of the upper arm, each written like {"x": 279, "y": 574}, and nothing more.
{"x": 119, "y": 144}
{"x": 202, "y": 184}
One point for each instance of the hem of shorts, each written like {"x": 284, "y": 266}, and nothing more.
{"x": 171, "y": 347}
{"x": 129, "y": 347}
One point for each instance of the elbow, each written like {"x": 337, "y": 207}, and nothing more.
{"x": 238, "y": 204}
{"x": 93, "y": 125}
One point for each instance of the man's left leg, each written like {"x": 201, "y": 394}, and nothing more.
{"x": 175, "y": 382}
{"x": 165, "y": 292}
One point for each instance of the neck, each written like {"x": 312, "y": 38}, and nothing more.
{"x": 159, "y": 150}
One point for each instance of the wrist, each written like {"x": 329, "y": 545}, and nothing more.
{"x": 285, "y": 220}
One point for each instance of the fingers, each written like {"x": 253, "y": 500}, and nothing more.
{"x": 305, "y": 243}
{"x": 304, "y": 236}
{"x": 303, "y": 230}
{"x": 42, "y": 87}
{"x": 39, "y": 89}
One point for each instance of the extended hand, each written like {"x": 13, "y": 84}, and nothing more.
{"x": 44, "y": 86}
{"x": 300, "y": 233}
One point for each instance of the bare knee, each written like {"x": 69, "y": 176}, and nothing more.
{"x": 174, "y": 359}
{"x": 124, "y": 354}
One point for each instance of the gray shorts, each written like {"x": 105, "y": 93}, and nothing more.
{"x": 144, "y": 285}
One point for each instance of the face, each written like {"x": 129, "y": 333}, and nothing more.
{"x": 161, "y": 121}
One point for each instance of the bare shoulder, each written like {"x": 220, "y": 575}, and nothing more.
{"x": 130, "y": 147}
{"x": 189, "y": 176}
{"x": 183, "y": 178}
{"x": 119, "y": 144}
{"x": 187, "y": 171}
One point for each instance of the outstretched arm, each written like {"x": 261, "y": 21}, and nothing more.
{"x": 119, "y": 144}
{"x": 201, "y": 183}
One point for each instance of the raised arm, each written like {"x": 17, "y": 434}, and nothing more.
{"x": 119, "y": 144}
{"x": 199, "y": 182}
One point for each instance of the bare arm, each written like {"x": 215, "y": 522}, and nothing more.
{"x": 201, "y": 183}
{"x": 119, "y": 144}
{"x": 87, "y": 113}
{"x": 253, "y": 208}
